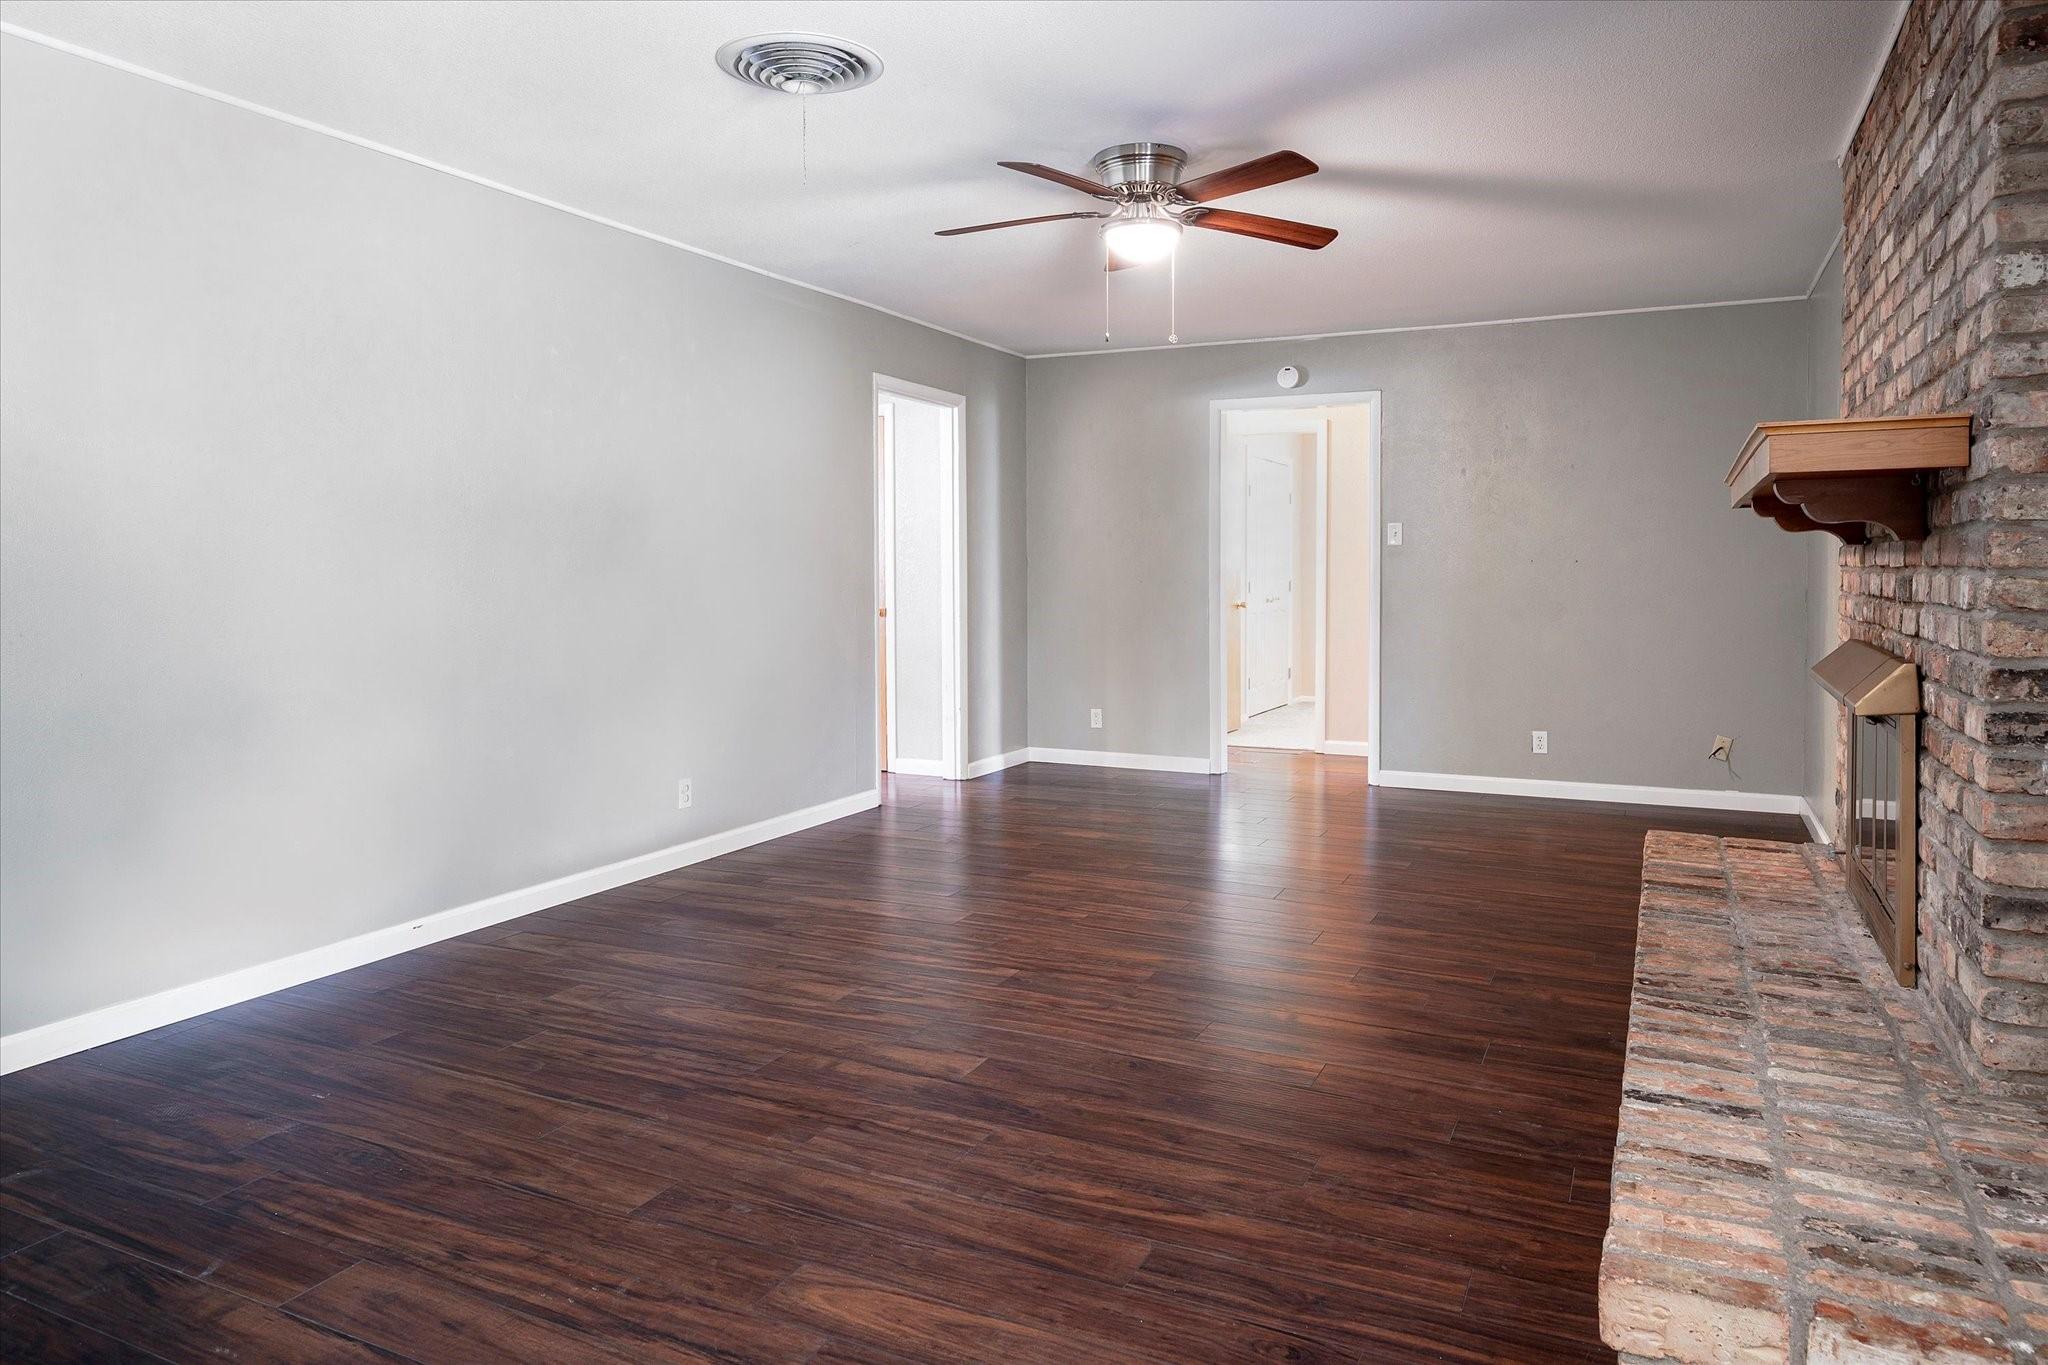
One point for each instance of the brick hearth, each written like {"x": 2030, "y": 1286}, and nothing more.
{"x": 1804, "y": 1171}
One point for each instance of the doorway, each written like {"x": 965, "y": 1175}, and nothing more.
{"x": 920, "y": 636}
{"x": 1273, "y": 566}
{"x": 1294, "y": 515}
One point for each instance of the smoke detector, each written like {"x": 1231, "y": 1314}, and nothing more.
{"x": 800, "y": 63}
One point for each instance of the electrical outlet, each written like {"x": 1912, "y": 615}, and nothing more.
{"x": 1393, "y": 533}
{"x": 1723, "y": 750}
{"x": 1095, "y": 718}
{"x": 1539, "y": 741}
{"x": 683, "y": 793}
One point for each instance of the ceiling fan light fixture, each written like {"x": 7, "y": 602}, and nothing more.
{"x": 800, "y": 63}
{"x": 1141, "y": 235}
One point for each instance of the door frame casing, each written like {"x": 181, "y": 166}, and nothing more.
{"x": 952, "y": 763}
{"x": 1219, "y": 605}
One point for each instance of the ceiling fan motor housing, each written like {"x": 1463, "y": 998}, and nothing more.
{"x": 1139, "y": 168}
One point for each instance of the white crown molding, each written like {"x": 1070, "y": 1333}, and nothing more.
{"x": 1833, "y": 247}
{"x": 32, "y": 1046}
{"x": 249, "y": 106}
{"x": 1696, "y": 798}
{"x": 1425, "y": 327}
{"x": 1100, "y": 758}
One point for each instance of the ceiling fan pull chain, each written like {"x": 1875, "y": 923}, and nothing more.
{"x": 1173, "y": 299}
{"x": 1105, "y": 307}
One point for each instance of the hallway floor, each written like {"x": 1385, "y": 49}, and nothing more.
{"x": 1283, "y": 727}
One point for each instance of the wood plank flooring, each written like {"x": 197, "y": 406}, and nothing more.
{"x": 1061, "y": 1064}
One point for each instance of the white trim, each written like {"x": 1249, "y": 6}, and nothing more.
{"x": 1219, "y": 737}
{"x": 1417, "y": 327}
{"x": 1813, "y": 822}
{"x": 1322, "y": 583}
{"x": 1100, "y": 758}
{"x": 885, "y": 577}
{"x": 952, "y": 760}
{"x": 248, "y": 106}
{"x": 1376, "y": 469}
{"x": 1884, "y": 56}
{"x": 1833, "y": 247}
{"x": 982, "y": 767}
{"x": 1346, "y": 748}
{"x": 32, "y": 1046}
{"x": 1697, "y": 798}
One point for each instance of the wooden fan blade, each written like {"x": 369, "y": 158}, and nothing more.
{"x": 1072, "y": 182}
{"x": 1252, "y": 175}
{"x": 1016, "y": 222}
{"x": 1285, "y": 231}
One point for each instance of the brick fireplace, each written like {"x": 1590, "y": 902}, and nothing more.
{"x": 1945, "y": 265}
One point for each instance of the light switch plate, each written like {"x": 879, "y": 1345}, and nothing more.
{"x": 1393, "y": 533}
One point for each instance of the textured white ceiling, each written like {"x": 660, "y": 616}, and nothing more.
{"x": 1482, "y": 160}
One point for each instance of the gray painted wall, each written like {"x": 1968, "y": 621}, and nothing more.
{"x": 376, "y": 542}
{"x": 1823, "y": 562}
{"x": 1571, "y": 562}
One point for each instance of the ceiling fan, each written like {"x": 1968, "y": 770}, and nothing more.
{"x": 1150, "y": 203}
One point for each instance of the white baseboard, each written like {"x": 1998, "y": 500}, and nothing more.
{"x": 1698, "y": 798}
{"x": 1347, "y": 748}
{"x": 918, "y": 767}
{"x": 31, "y": 1046}
{"x": 1814, "y": 827}
{"x": 982, "y": 767}
{"x": 1098, "y": 758}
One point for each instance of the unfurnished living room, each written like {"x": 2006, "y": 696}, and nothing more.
{"x": 995, "y": 680}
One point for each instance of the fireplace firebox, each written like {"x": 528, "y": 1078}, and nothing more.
{"x": 1879, "y": 833}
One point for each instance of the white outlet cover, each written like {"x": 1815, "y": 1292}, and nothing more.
{"x": 1539, "y": 741}
{"x": 1095, "y": 718}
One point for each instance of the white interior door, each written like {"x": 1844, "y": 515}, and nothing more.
{"x": 1269, "y": 582}
{"x": 918, "y": 524}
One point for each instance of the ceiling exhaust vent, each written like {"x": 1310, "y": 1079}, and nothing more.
{"x": 800, "y": 63}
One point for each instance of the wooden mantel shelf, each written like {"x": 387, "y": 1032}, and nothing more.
{"x": 1845, "y": 475}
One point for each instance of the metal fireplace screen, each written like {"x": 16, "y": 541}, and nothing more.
{"x": 1881, "y": 693}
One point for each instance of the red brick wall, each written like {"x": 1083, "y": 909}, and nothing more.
{"x": 1945, "y": 264}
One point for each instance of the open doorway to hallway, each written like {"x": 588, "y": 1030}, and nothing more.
{"x": 1273, "y": 529}
{"x": 920, "y": 637}
{"x": 1296, "y": 554}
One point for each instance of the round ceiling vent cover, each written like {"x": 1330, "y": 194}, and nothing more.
{"x": 800, "y": 63}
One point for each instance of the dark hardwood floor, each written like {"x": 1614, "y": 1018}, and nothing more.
{"x": 1062, "y": 1064}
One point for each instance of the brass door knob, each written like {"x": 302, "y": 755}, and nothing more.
{"x": 1239, "y": 606}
